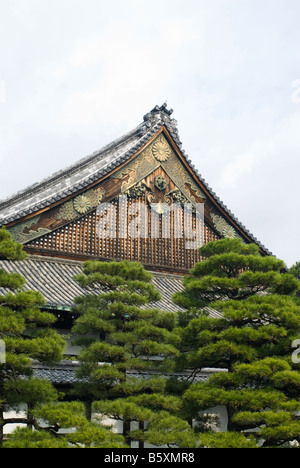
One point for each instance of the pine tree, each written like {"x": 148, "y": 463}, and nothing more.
{"x": 26, "y": 335}
{"x": 295, "y": 271}
{"x": 251, "y": 341}
{"x": 75, "y": 430}
{"x": 159, "y": 413}
{"x": 135, "y": 339}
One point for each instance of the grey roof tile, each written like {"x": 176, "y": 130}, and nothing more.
{"x": 54, "y": 278}
{"x": 64, "y": 373}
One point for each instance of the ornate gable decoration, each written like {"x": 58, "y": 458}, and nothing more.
{"x": 40, "y": 225}
{"x": 148, "y": 164}
{"x": 80, "y": 205}
{"x": 156, "y": 173}
{"x": 159, "y": 154}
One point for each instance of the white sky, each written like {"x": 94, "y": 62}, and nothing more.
{"x": 76, "y": 74}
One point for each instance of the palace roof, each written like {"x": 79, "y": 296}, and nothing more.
{"x": 89, "y": 170}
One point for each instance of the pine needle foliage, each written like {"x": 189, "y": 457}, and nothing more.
{"x": 249, "y": 344}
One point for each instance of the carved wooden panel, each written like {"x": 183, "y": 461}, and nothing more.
{"x": 129, "y": 229}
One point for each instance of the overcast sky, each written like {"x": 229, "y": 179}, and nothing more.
{"x": 76, "y": 74}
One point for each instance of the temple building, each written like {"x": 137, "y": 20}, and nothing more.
{"x": 139, "y": 198}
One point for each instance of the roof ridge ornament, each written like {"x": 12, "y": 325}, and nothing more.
{"x": 159, "y": 112}
{"x": 161, "y": 115}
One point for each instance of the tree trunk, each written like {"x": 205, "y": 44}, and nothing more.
{"x": 88, "y": 410}
{"x": 141, "y": 428}
{"x": 230, "y": 413}
{"x": 126, "y": 429}
{"x": 1, "y": 426}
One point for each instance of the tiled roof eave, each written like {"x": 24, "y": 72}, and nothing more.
{"x": 64, "y": 373}
{"x": 54, "y": 278}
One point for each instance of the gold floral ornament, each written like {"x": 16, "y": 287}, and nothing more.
{"x": 223, "y": 227}
{"x": 229, "y": 232}
{"x": 161, "y": 150}
{"x": 67, "y": 211}
{"x": 82, "y": 204}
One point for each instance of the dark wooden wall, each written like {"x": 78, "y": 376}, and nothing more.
{"x": 144, "y": 238}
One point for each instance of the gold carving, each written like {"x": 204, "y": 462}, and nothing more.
{"x": 160, "y": 208}
{"x": 80, "y": 205}
{"x": 67, "y": 211}
{"x": 145, "y": 163}
{"x": 176, "y": 196}
{"x": 223, "y": 227}
{"x": 138, "y": 169}
{"x": 160, "y": 183}
{"x": 22, "y": 232}
{"x": 160, "y": 154}
{"x": 160, "y": 149}
{"x": 138, "y": 190}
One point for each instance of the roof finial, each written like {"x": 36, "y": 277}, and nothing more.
{"x": 158, "y": 111}
{"x": 165, "y": 109}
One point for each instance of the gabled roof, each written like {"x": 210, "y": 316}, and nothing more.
{"x": 100, "y": 164}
